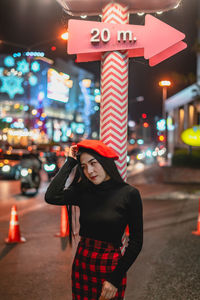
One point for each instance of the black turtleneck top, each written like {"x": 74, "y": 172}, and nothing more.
{"x": 105, "y": 210}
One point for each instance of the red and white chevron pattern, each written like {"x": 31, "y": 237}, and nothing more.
{"x": 114, "y": 105}
{"x": 114, "y": 92}
{"x": 115, "y": 13}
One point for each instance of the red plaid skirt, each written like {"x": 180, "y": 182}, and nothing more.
{"x": 93, "y": 261}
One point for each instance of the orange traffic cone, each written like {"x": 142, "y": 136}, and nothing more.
{"x": 197, "y": 232}
{"x": 64, "y": 223}
{"x": 14, "y": 232}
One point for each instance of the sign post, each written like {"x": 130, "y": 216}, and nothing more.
{"x": 113, "y": 41}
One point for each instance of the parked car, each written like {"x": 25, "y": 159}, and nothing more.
{"x": 10, "y": 166}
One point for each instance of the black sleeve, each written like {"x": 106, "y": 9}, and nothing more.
{"x": 135, "y": 222}
{"x": 56, "y": 193}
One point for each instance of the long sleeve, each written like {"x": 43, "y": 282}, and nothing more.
{"x": 135, "y": 222}
{"x": 56, "y": 193}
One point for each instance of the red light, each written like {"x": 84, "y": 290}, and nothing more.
{"x": 144, "y": 116}
{"x": 53, "y": 48}
{"x": 145, "y": 124}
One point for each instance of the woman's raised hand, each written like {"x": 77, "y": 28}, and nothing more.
{"x": 72, "y": 151}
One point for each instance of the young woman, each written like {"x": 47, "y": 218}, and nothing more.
{"x": 107, "y": 205}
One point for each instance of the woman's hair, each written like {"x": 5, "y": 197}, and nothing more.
{"x": 69, "y": 207}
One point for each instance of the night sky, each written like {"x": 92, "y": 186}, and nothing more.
{"x": 27, "y": 22}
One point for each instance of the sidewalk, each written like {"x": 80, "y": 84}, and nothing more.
{"x": 150, "y": 184}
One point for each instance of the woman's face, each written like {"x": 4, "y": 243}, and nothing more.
{"x": 92, "y": 169}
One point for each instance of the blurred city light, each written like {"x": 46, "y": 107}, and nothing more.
{"x": 141, "y": 156}
{"x": 69, "y": 83}
{"x": 94, "y": 135}
{"x": 164, "y": 83}
{"x": 97, "y": 91}
{"x": 148, "y": 153}
{"x": 65, "y": 36}
{"x": 34, "y": 53}
{"x": 162, "y": 152}
{"x": 35, "y": 66}
{"x": 161, "y": 125}
{"x": 131, "y": 123}
{"x": 140, "y": 99}
{"x": 26, "y": 108}
{"x": 146, "y": 125}
{"x": 144, "y": 116}
{"x": 6, "y": 168}
{"x": 86, "y": 83}
{"x": 41, "y": 96}
{"x": 132, "y": 141}
{"x": 140, "y": 141}
{"x": 9, "y": 61}
{"x": 98, "y": 98}
{"x": 96, "y": 108}
{"x": 34, "y": 112}
{"x": 18, "y": 54}
{"x": 33, "y": 80}
{"x": 170, "y": 125}
{"x": 161, "y": 138}
{"x": 154, "y": 153}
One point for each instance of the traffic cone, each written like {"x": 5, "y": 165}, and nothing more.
{"x": 64, "y": 223}
{"x": 14, "y": 232}
{"x": 197, "y": 232}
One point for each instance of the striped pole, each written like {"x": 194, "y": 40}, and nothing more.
{"x": 114, "y": 91}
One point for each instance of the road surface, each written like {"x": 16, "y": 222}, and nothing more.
{"x": 168, "y": 267}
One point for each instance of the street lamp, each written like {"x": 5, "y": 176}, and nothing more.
{"x": 165, "y": 84}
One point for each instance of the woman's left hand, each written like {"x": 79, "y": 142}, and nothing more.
{"x": 108, "y": 291}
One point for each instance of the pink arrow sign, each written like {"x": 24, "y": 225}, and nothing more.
{"x": 150, "y": 40}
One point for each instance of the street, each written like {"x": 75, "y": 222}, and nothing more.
{"x": 167, "y": 268}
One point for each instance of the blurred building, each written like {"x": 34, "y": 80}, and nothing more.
{"x": 42, "y": 101}
{"x": 183, "y": 111}
{"x": 183, "y": 108}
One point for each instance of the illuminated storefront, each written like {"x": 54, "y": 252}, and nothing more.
{"x": 183, "y": 111}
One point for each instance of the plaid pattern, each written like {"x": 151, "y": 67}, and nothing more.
{"x": 93, "y": 260}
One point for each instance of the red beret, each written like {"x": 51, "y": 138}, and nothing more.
{"x": 98, "y": 147}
